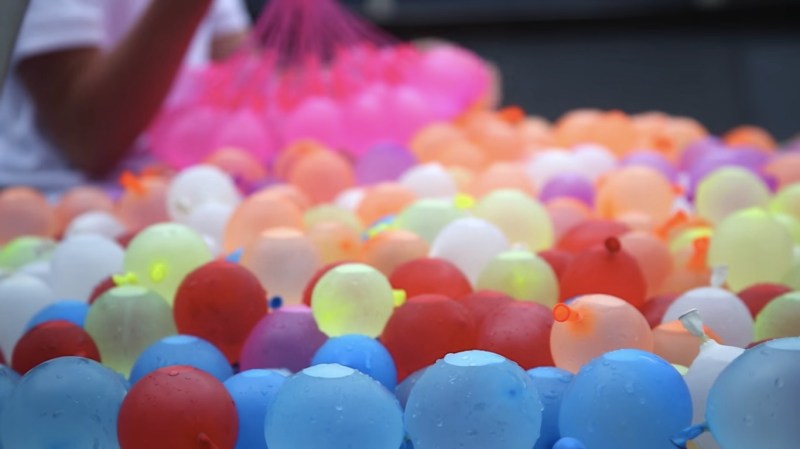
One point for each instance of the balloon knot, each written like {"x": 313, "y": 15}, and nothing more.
{"x": 128, "y": 278}
{"x": 132, "y": 184}
{"x": 399, "y": 297}
{"x": 205, "y": 442}
{"x": 462, "y": 201}
{"x": 613, "y": 245}
{"x": 512, "y": 114}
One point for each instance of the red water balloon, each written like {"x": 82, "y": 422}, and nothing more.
{"x": 178, "y": 407}
{"x": 558, "y": 260}
{"x": 589, "y": 234}
{"x": 220, "y": 302}
{"x": 483, "y": 303}
{"x": 425, "y": 329}
{"x": 519, "y": 331}
{"x": 655, "y": 308}
{"x": 126, "y": 238}
{"x": 104, "y": 286}
{"x": 757, "y": 296}
{"x": 430, "y": 276}
{"x": 50, "y": 340}
{"x": 605, "y": 269}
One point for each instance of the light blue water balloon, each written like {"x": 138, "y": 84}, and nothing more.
{"x": 362, "y": 353}
{"x": 253, "y": 392}
{"x": 755, "y": 401}
{"x": 67, "y": 310}
{"x": 182, "y": 350}
{"x": 8, "y": 381}
{"x": 568, "y": 443}
{"x": 333, "y": 407}
{"x": 474, "y": 400}
{"x": 403, "y": 391}
{"x": 551, "y": 383}
{"x": 68, "y": 402}
{"x": 626, "y": 399}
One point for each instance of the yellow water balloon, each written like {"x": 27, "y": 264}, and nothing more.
{"x": 754, "y": 247}
{"x": 727, "y": 190}
{"x": 521, "y": 218}
{"x": 522, "y": 275}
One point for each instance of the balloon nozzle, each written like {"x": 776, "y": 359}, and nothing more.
{"x": 564, "y": 313}
{"x": 693, "y": 323}
{"x": 681, "y": 440}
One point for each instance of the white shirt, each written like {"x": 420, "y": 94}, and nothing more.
{"x": 27, "y": 156}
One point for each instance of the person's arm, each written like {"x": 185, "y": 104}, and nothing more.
{"x": 230, "y": 24}
{"x": 224, "y": 46}
{"x": 94, "y": 104}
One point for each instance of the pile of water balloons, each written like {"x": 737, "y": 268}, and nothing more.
{"x": 644, "y": 273}
{"x": 312, "y": 69}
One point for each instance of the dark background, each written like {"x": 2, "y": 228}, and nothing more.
{"x": 723, "y": 62}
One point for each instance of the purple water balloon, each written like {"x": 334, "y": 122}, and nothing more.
{"x": 569, "y": 185}
{"x": 383, "y": 162}
{"x": 746, "y": 158}
{"x": 285, "y": 339}
{"x": 699, "y": 149}
{"x": 654, "y": 160}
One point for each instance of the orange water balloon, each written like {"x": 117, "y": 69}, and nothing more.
{"x": 636, "y": 189}
{"x": 461, "y": 153}
{"x": 535, "y": 133}
{"x": 383, "y": 200}
{"x": 335, "y": 241}
{"x": 673, "y": 343}
{"x": 615, "y": 130}
{"x": 294, "y": 153}
{"x": 143, "y": 202}
{"x": 652, "y": 255}
{"x": 575, "y": 127}
{"x": 429, "y": 141}
{"x": 289, "y": 193}
{"x": 590, "y": 326}
{"x": 502, "y": 175}
{"x": 785, "y": 168}
{"x": 24, "y": 211}
{"x": 567, "y": 213}
{"x": 79, "y": 200}
{"x": 322, "y": 175}
{"x": 751, "y": 137}
{"x": 283, "y": 260}
{"x": 259, "y": 212}
{"x": 392, "y": 248}
{"x": 239, "y": 164}
{"x": 496, "y": 137}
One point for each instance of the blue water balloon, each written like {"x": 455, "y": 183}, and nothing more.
{"x": 67, "y": 310}
{"x": 626, "y": 399}
{"x": 253, "y": 392}
{"x": 333, "y": 407}
{"x": 403, "y": 391}
{"x": 474, "y": 400}
{"x": 755, "y": 401}
{"x": 568, "y": 443}
{"x": 8, "y": 381}
{"x": 551, "y": 383}
{"x": 182, "y": 350}
{"x": 68, "y": 402}
{"x": 362, "y": 353}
